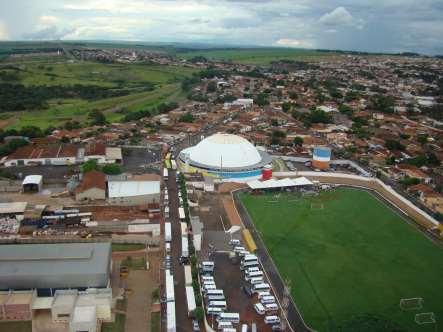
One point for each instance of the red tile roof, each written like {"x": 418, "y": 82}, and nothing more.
{"x": 92, "y": 179}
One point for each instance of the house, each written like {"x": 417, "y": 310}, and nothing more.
{"x": 133, "y": 192}
{"x": 51, "y": 154}
{"x": 92, "y": 187}
{"x": 431, "y": 199}
{"x": 414, "y": 172}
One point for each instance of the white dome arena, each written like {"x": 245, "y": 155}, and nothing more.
{"x": 225, "y": 153}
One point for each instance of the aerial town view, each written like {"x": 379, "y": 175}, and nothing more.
{"x": 232, "y": 165}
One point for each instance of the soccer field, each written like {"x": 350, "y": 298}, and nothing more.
{"x": 350, "y": 259}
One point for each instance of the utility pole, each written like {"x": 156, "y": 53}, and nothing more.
{"x": 285, "y": 303}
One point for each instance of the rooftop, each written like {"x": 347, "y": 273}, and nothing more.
{"x": 132, "y": 188}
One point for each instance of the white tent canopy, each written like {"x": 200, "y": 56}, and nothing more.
{"x": 283, "y": 183}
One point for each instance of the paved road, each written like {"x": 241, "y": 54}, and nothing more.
{"x": 183, "y": 322}
{"x": 294, "y": 317}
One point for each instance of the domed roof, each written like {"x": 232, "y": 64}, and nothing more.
{"x": 224, "y": 151}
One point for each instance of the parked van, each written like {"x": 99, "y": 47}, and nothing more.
{"x": 272, "y": 320}
{"x": 264, "y": 287}
{"x": 271, "y": 307}
{"x": 233, "y": 317}
{"x": 259, "y": 308}
{"x": 256, "y": 274}
{"x": 255, "y": 281}
{"x": 267, "y": 299}
{"x": 224, "y": 325}
{"x": 214, "y": 311}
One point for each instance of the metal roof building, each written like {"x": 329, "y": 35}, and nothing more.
{"x": 59, "y": 265}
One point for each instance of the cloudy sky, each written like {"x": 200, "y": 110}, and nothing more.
{"x": 368, "y": 25}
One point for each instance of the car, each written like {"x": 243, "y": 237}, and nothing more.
{"x": 234, "y": 242}
{"x": 195, "y": 326}
{"x": 276, "y": 327}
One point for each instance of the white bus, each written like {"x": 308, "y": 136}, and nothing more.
{"x": 264, "y": 287}
{"x": 233, "y": 317}
{"x": 256, "y": 274}
{"x": 272, "y": 320}
{"x": 224, "y": 325}
{"x": 215, "y": 292}
{"x": 247, "y": 265}
{"x": 244, "y": 328}
{"x": 165, "y": 173}
{"x": 208, "y": 287}
{"x": 215, "y": 297}
{"x": 218, "y": 304}
{"x": 214, "y": 311}
{"x": 207, "y": 266}
{"x": 207, "y": 278}
{"x": 267, "y": 299}
{"x": 271, "y": 307}
{"x": 257, "y": 280}
{"x": 252, "y": 269}
{"x": 249, "y": 258}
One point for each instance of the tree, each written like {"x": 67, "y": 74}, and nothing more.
{"x": 31, "y": 131}
{"x": 212, "y": 87}
{"x": 88, "y": 166}
{"x": 65, "y": 139}
{"x": 187, "y": 117}
{"x": 198, "y": 313}
{"x": 97, "y": 118}
{"x": 298, "y": 141}
{"x": 344, "y": 109}
{"x": 394, "y": 145}
{"x": 262, "y": 99}
{"x": 408, "y": 181}
{"x": 286, "y": 107}
{"x": 381, "y": 103}
{"x": 112, "y": 169}
{"x": 422, "y": 139}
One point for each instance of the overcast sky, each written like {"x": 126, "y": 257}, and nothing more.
{"x": 368, "y": 25}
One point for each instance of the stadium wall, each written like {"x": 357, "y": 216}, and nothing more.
{"x": 418, "y": 215}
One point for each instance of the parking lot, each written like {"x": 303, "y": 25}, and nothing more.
{"x": 227, "y": 275}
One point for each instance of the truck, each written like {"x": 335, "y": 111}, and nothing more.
{"x": 188, "y": 275}
{"x": 190, "y": 299}
{"x": 185, "y": 250}
{"x": 168, "y": 232}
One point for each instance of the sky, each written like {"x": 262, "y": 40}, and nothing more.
{"x": 363, "y": 25}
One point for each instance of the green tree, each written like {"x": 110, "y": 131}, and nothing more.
{"x": 212, "y": 87}
{"x": 97, "y": 118}
{"x": 187, "y": 117}
{"x": 286, "y": 107}
{"x": 88, "y": 166}
{"x": 298, "y": 141}
{"x": 198, "y": 313}
{"x": 262, "y": 99}
{"x": 394, "y": 145}
{"x": 112, "y": 169}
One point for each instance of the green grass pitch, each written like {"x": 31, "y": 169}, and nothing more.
{"x": 349, "y": 256}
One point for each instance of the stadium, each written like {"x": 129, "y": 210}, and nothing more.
{"x": 225, "y": 156}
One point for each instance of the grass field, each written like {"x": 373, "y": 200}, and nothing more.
{"x": 166, "y": 80}
{"x": 348, "y": 255}
{"x": 256, "y": 56}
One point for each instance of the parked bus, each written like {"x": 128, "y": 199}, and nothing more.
{"x": 215, "y": 297}
{"x": 206, "y": 278}
{"x": 271, "y": 307}
{"x": 264, "y": 287}
{"x": 247, "y": 265}
{"x": 256, "y": 274}
{"x": 207, "y": 266}
{"x": 216, "y": 292}
{"x": 214, "y": 311}
{"x": 218, "y": 304}
{"x": 224, "y": 325}
{"x": 233, "y": 317}
{"x": 267, "y": 299}
{"x": 257, "y": 280}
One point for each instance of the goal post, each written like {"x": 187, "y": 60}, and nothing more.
{"x": 425, "y": 318}
{"x": 414, "y": 303}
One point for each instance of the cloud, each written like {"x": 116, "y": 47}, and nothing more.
{"x": 296, "y": 43}
{"x": 340, "y": 16}
{"x": 3, "y": 32}
{"x": 367, "y": 25}
{"x": 49, "y": 33}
